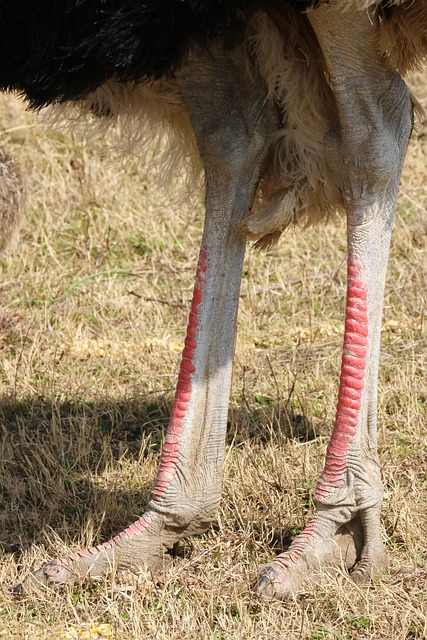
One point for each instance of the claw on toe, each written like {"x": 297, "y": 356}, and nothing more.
{"x": 271, "y": 583}
{"x": 54, "y": 574}
{"x": 266, "y": 577}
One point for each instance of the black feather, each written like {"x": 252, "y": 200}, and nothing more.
{"x": 56, "y": 50}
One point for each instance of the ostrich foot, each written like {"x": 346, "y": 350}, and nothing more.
{"x": 145, "y": 543}
{"x": 319, "y": 551}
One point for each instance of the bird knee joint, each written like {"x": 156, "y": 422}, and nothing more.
{"x": 228, "y": 145}
{"x": 366, "y": 157}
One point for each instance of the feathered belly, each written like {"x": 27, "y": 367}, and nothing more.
{"x": 116, "y": 58}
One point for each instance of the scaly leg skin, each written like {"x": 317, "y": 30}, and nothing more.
{"x": 366, "y": 152}
{"x": 232, "y": 122}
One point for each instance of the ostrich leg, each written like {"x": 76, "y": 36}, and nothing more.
{"x": 232, "y": 123}
{"x": 366, "y": 151}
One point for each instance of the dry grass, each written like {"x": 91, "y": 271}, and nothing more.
{"x": 93, "y": 306}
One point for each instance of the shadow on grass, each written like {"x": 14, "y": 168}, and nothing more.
{"x": 89, "y": 466}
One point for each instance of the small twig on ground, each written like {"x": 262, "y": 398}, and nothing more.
{"x": 170, "y": 303}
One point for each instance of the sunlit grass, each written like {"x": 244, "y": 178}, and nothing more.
{"x": 93, "y": 313}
